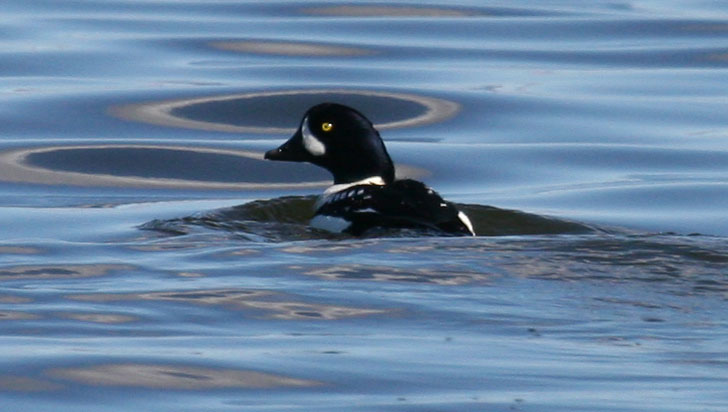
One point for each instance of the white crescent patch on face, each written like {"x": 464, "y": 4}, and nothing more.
{"x": 310, "y": 142}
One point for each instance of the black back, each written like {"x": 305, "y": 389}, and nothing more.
{"x": 402, "y": 204}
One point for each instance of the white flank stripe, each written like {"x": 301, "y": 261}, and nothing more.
{"x": 310, "y": 142}
{"x": 374, "y": 180}
{"x": 333, "y": 189}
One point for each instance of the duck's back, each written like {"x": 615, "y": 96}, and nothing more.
{"x": 401, "y": 204}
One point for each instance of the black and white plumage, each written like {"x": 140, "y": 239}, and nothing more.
{"x": 365, "y": 194}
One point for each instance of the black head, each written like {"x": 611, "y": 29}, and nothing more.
{"x": 341, "y": 140}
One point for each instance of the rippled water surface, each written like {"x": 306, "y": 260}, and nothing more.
{"x": 151, "y": 260}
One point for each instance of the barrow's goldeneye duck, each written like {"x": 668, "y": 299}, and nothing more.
{"x": 365, "y": 194}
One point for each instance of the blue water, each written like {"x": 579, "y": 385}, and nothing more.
{"x": 588, "y": 140}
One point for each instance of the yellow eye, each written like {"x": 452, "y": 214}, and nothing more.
{"x": 327, "y": 126}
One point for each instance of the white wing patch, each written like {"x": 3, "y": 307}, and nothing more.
{"x": 310, "y": 142}
{"x": 464, "y": 218}
{"x": 330, "y": 223}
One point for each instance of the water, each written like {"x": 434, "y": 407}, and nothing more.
{"x": 151, "y": 260}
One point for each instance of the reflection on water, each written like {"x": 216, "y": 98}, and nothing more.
{"x": 16, "y": 250}
{"x": 27, "y": 272}
{"x": 99, "y": 317}
{"x": 177, "y": 377}
{"x": 14, "y": 315}
{"x": 438, "y": 276}
{"x": 289, "y": 48}
{"x": 14, "y": 299}
{"x": 274, "y": 305}
{"x": 25, "y": 384}
{"x": 423, "y": 11}
{"x": 387, "y": 11}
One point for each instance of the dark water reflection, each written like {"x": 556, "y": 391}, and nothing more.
{"x": 171, "y": 163}
{"x": 57, "y": 272}
{"x": 587, "y": 141}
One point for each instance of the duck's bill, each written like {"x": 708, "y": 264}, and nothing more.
{"x": 292, "y": 150}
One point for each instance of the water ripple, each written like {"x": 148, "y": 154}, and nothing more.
{"x": 240, "y": 113}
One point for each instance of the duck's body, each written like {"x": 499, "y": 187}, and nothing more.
{"x": 364, "y": 195}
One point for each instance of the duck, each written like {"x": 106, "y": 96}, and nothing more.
{"x": 365, "y": 196}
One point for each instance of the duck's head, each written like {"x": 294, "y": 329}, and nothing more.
{"x": 341, "y": 140}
